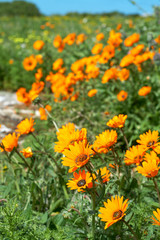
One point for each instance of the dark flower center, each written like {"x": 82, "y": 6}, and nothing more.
{"x": 117, "y": 214}
{"x": 81, "y": 158}
{"x": 81, "y": 183}
{"x": 151, "y": 143}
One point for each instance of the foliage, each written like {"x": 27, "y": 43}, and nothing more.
{"x": 18, "y": 8}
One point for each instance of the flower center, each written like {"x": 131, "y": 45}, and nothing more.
{"x": 117, "y": 214}
{"x": 151, "y": 143}
{"x": 81, "y": 183}
{"x": 81, "y": 158}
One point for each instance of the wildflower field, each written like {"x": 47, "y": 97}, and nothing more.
{"x": 87, "y": 165}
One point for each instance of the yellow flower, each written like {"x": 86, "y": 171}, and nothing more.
{"x": 104, "y": 141}
{"x": 113, "y": 211}
{"x": 117, "y": 121}
{"x": 149, "y": 139}
{"x": 77, "y": 155}
{"x": 80, "y": 181}
{"x": 134, "y": 155}
{"x": 9, "y": 142}
{"x": 149, "y": 169}
{"x": 157, "y": 215}
{"x": 25, "y": 126}
{"x": 27, "y": 152}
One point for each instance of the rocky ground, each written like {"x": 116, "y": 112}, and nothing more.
{"x": 12, "y": 112}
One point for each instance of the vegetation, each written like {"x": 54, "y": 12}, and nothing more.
{"x": 88, "y": 167}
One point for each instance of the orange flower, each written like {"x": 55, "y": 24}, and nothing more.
{"x": 42, "y": 112}
{"x": 104, "y": 174}
{"x": 149, "y": 139}
{"x": 57, "y": 64}
{"x": 38, "y": 45}
{"x": 152, "y": 155}
{"x": 97, "y": 48}
{"x": 119, "y": 26}
{"x": 126, "y": 60}
{"x": 156, "y": 221}
{"x": 23, "y": 96}
{"x": 81, "y": 181}
{"x": 104, "y": 141}
{"x": 67, "y": 136}
{"x": 27, "y": 152}
{"x": 114, "y": 38}
{"x": 113, "y": 211}
{"x": 25, "y": 126}
{"x": 38, "y": 74}
{"x": 122, "y": 96}
{"x": 100, "y": 36}
{"x": 57, "y": 42}
{"x": 144, "y": 91}
{"x": 117, "y": 121}
{"x": 157, "y": 40}
{"x": 37, "y": 87}
{"x": 149, "y": 169}
{"x": 92, "y": 92}
{"x": 77, "y": 155}
{"x": 134, "y": 155}
{"x": 70, "y": 38}
{"x": 48, "y": 107}
{"x": 129, "y": 41}
{"x": 123, "y": 74}
{"x": 29, "y": 63}
{"x": 9, "y": 142}
{"x": 109, "y": 74}
{"x": 81, "y": 38}
{"x": 136, "y": 50}
{"x": 39, "y": 58}
{"x": 11, "y": 61}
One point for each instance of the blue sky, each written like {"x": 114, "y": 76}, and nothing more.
{"x": 92, "y": 6}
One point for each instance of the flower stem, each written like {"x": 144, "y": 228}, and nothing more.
{"x": 130, "y": 228}
{"x": 24, "y": 160}
{"x": 125, "y": 139}
{"x": 156, "y": 187}
{"x": 93, "y": 214}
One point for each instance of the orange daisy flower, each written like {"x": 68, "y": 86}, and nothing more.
{"x": 152, "y": 155}
{"x": 97, "y": 48}
{"x": 23, "y": 96}
{"x": 38, "y": 45}
{"x": 113, "y": 211}
{"x": 134, "y": 155}
{"x": 25, "y": 126}
{"x": 156, "y": 221}
{"x": 149, "y": 139}
{"x": 129, "y": 41}
{"x": 123, "y": 74}
{"x": 100, "y": 36}
{"x": 29, "y": 63}
{"x": 122, "y": 96}
{"x": 80, "y": 181}
{"x": 67, "y": 136}
{"x": 27, "y": 152}
{"x": 126, "y": 60}
{"x": 117, "y": 121}
{"x": 144, "y": 91}
{"x": 149, "y": 169}
{"x": 92, "y": 92}
{"x": 9, "y": 142}
{"x": 104, "y": 173}
{"x": 77, "y": 155}
{"x": 104, "y": 141}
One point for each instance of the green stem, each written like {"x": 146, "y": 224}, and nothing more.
{"x": 156, "y": 187}
{"x": 130, "y": 228}
{"x": 125, "y": 139}
{"x": 24, "y": 160}
{"x": 59, "y": 169}
{"x": 93, "y": 214}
